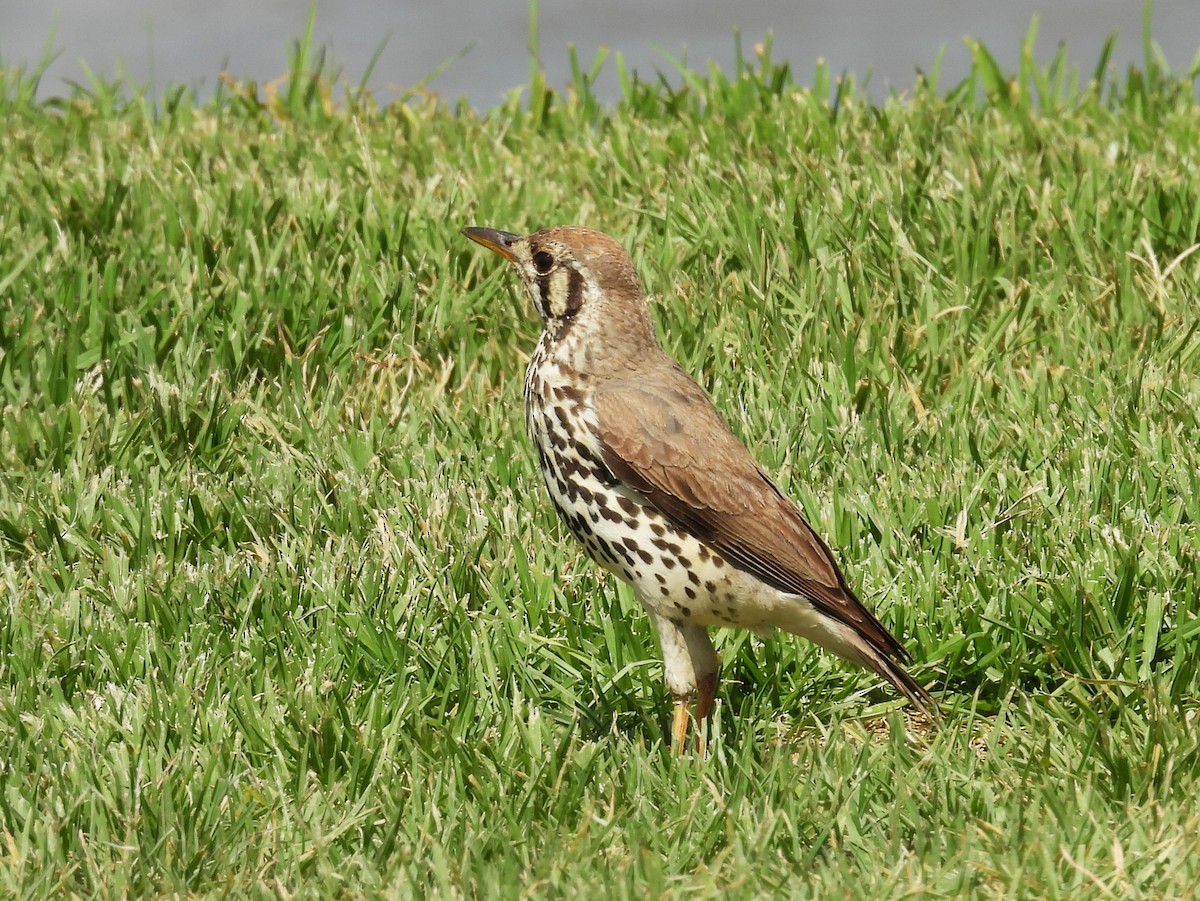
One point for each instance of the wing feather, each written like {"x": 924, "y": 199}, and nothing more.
{"x": 663, "y": 437}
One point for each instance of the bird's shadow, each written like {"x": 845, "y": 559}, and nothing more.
{"x": 626, "y": 708}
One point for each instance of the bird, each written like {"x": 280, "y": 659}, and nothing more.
{"x": 648, "y": 476}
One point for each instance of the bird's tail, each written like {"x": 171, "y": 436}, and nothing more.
{"x": 891, "y": 670}
{"x": 875, "y": 649}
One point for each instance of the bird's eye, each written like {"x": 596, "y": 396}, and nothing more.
{"x": 543, "y": 262}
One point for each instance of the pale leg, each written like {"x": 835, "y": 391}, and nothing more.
{"x": 706, "y": 690}
{"x": 679, "y": 724}
{"x": 690, "y": 668}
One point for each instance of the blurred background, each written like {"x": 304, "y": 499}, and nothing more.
{"x": 484, "y": 46}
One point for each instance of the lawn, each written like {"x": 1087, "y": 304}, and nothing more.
{"x": 285, "y": 611}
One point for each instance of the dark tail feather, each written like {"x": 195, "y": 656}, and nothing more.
{"x": 852, "y": 632}
{"x": 898, "y": 676}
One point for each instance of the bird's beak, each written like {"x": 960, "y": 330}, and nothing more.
{"x": 500, "y": 242}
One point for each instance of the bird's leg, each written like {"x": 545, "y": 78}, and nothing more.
{"x": 679, "y": 723}
{"x": 690, "y": 667}
{"x": 706, "y": 690}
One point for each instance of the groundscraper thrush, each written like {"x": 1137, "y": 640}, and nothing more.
{"x": 649, "y": 478}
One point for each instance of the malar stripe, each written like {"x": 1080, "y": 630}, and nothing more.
{"x": 543, "y": 285}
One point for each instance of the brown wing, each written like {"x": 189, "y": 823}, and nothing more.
{"x": 671, "y": 444}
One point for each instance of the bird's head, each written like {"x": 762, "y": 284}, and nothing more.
{"x": 571, "y": 273}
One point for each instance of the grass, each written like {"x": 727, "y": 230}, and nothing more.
{"x": 286, "y": 613}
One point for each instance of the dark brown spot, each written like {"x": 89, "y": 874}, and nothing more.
{"x": 568, "y": 392}
{"x": 572, "y": 467}
{"x": 611, "y": 515}
{"x": 690, "y": 592}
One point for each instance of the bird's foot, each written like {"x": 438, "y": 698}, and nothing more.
{"x": 706, "y": 690}
{"x": 679, "y": 723}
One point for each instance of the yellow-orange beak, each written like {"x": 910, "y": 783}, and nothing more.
{"x": 500, "y": 242}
